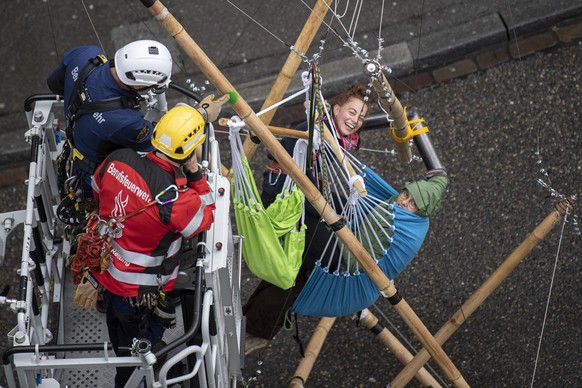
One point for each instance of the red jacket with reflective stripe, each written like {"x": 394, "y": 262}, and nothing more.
{"x": 147, "y": 252}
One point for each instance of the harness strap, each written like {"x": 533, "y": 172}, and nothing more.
{"x": 121, "y": 102}
{"x": 79, "y": 95}
{"x": 276, "y": 168}
{"x": 87, "y": 166}
{"x": 80, "y": 103}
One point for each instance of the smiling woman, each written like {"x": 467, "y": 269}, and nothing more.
{"x": 350, "y": 108}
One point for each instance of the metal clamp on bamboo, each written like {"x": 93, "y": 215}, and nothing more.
{"x": 391, "y": 105}
{"x": 424, "y": 144}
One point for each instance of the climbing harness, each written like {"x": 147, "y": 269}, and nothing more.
{"x": 81, "y": 103}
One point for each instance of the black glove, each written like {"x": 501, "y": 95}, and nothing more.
{"x": 165, "y": 313}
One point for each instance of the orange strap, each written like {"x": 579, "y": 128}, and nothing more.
{"x": 276, "y": 168}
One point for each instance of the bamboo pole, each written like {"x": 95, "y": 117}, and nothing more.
{"x": 311, "y": 352}
{"x": 370, "y": 322}
{"x": 290, "y": 68}
{"x": 390, "y": 103}
{"x": 286, "y": 75}
{"x": 176, "y": 30}
{"x": 320, "y": 334}
{"x": 483, "y": 292}
{"x": 279, "y": 131}
{"x": 286, "y": 132}
{"x": 331, "y": 140}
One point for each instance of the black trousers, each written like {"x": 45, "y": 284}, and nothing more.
{"x": 268, "y": 306}
{"x": 124, "y": 323}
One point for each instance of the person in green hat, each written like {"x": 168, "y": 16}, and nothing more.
{"x": 423, "y": 197}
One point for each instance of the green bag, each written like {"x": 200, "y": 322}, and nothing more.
{"x": 273, "y": 246}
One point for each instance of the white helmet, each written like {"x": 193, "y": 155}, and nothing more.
{"x": 144, "y": 63}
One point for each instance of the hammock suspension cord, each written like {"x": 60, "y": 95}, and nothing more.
{"x": 550, "y": 288}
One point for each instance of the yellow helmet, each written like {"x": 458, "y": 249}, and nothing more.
{"x": 179, "y": 132}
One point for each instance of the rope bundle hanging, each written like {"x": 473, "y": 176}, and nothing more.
{"x": 94, "y": 245}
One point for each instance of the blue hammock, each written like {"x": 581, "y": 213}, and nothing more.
{"x": 334, "y": 294}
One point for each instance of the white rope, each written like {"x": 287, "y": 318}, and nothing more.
{"x": 369, "y": 222}
{"x": 256, "y": 22}
{"x": 355, "y": 18}
{"x": 242, "y": 187}
{"x": 92, "y": 25}
{"x": 345, "y": 10}
{"x": 300, "y": 158}
{"x": 329, "y": 26}
{"x": 282, "y": 101}
{"x": 380, "y": 39}
{"x": 384, "y": 151}
{"x": 549, "y": 297}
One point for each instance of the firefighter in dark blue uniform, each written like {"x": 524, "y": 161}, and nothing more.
{"x": 101, "y": 99}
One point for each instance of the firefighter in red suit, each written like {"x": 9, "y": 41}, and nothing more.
{"x": 145, "y": 255}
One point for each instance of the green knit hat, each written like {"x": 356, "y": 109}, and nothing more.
{"x": 427, "y": 193}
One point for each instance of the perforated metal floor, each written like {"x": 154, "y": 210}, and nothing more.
{"x": 83, "y": 325}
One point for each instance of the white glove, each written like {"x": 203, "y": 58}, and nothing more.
{"x": 306, "y": 79}
{"x": 210, "y": 108}
{"x": 87, "y": 292}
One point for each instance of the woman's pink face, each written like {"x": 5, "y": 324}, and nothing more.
{"x": 350, "y": 116}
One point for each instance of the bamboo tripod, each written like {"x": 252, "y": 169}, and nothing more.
{"x": 386, "y": 287}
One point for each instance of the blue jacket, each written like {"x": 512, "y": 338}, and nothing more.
{"x": 97, "y": 135}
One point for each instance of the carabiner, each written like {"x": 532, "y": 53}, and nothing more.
{"x": 173, "y": 187}
{"x": 279, "y": 172}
